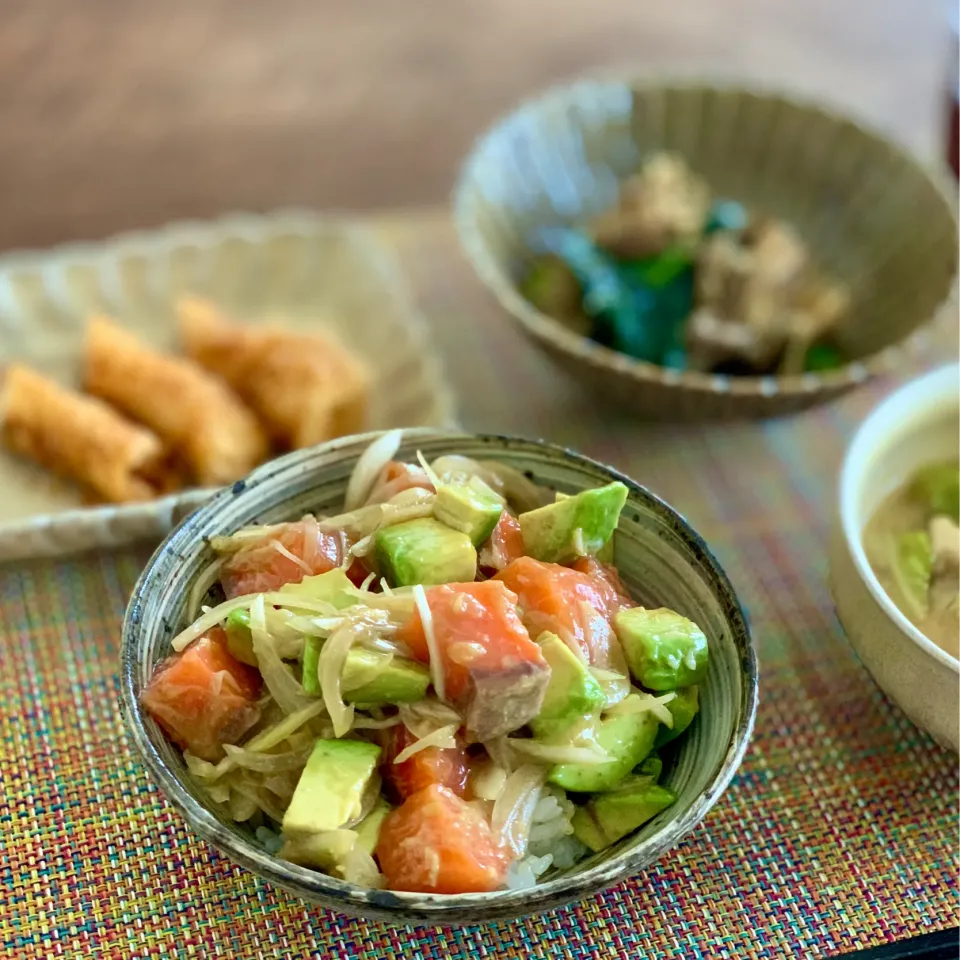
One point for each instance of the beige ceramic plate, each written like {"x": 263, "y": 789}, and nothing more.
{"x": 310, "y": 271}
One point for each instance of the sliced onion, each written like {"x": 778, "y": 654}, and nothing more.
{"x": 218, "y": 792}
{"x": 362, "y": 722}
{"x": 615, "y": 685}
{"x": 360, "y": 868}
{"x": 202, "y": 585}
{"x": 245, "y": 537}
{"x": 267, "y": 739}
{"x": 522, "y": 493}
{"x": 369, "y": 466}
{"x": 501, "y": 752}
{"x": 282, "y": 785}
{"x": 425, "y": 716}
{"x": 210, "y": 619}
{"x": 368, "y": 800}
{"x": 556, "y": 753}
{"x": 311, "y": 541}
{"x": 426, "y": 619}
{"x": 571, "y": 641}
{"x": 513, "y": 812}
{"x": 360, "y": 549}
{"x": 220, "y": 612}
{"x": 241, "y": 808}
{"x": 266, "y": 762}
{"x": 642, "y": 702}
{"x": 333, "y": 655}
{"x": 283, "y": 551}
{"x": 262, "y": 798}
{"x": 444, "y": 738}
{"x": 434, "y": 479}
{"x": 453, "y": 468}
{"x": 277, "y": 677}
{"x": 203, "y": 769}
{"x": 488, "y": 780}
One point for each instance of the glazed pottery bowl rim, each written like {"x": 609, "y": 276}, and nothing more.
{"x": 427, "y": 908}
{"x": 914, "y": 402}
{"x": 546, "y": 328}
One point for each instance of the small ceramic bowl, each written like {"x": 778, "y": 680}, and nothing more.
{"x": 661, "y": 559}
{"x": 913, "y": 427}
{"x": 873, "y": 217}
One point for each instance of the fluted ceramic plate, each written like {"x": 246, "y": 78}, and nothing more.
{"x": 308, "y": 271}
{"x": 662, "y": 562}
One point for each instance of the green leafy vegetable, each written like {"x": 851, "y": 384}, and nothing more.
{"x": 912, "y": 569}
{"x": 638, "y": 307}
{"x": 822, "y": 356}
{"x": 938, "y": 486}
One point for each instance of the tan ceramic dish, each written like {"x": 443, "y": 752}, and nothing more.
{"x": 876, "y": 219}
{"x": 915, "y": 426}
{"x": 309, "y": 270}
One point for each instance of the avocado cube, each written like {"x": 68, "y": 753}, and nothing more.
{"x": 664, "y": 649}
{"x": 573, "y": 526}
{"x": 325, "y": 850}
{"x": 425, "y": 552}
{"x": 683, "y": 708}
{"x": 572, "y": 693}
{"x": 606, "y": 553}
{"x": 652, "y": 767}
{"x": 368, "y": 829}
{"x": 628, "y": 738}
{"x": 610, "y": 816}
{"x": 366, "y": 682}
{"x": 239, "y": 638}
{"x": 330, "y": 790}
{"x": 471, "y": 507}
{"x": 310, "y": 678}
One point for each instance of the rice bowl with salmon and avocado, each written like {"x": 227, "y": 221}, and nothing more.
{"x": 443, "y": 689}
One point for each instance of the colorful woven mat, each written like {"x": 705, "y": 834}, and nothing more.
{"x": 839, "y": 831}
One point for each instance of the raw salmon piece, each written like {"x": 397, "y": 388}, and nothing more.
{"x": 447, "y": 767}
{"x": 504, "y": 545}
{"x": 493, "y": 672}
{"x": 437, "y": 843}
{"x": 204, "y": 697}
{"x": 605, "y": 573}
{"x": 570, "y": 603}
{"x": 265, "y": 565}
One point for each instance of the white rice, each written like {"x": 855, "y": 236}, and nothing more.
{"x": 271, "y": 841}
{"x": 551, "y": 844}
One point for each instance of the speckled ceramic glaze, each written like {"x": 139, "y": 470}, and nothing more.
{"x": 662, "y": 561}
{"x": 915, "y": 426}
{"x": 872, "y": 215}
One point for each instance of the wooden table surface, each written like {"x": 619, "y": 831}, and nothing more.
{"x": 126, "y": 113}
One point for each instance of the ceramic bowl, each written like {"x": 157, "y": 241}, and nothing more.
{"x": 873, "y": 217}
{"x": 662, "y": 561}
{"x": 916, "y": 425}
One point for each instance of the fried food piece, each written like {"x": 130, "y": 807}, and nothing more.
{"x": 81, "y": 438}
{"x": 759, "y": 300}
{"x": 194, "y": 413}
{"x": 306, "y": 388}
{"x": 665, "y": 203}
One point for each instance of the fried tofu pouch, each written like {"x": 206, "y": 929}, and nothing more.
{"x": 306, "y": 388}
{"x": 81, "y": 438}
{"x": 196, "y": 414}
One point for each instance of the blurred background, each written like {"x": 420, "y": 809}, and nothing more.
{"x": 127, "y": 113}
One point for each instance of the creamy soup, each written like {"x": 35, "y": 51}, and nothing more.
{"x": 913, "y": 544}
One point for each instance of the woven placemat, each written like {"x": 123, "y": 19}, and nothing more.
{"x": 839, "y": 831}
